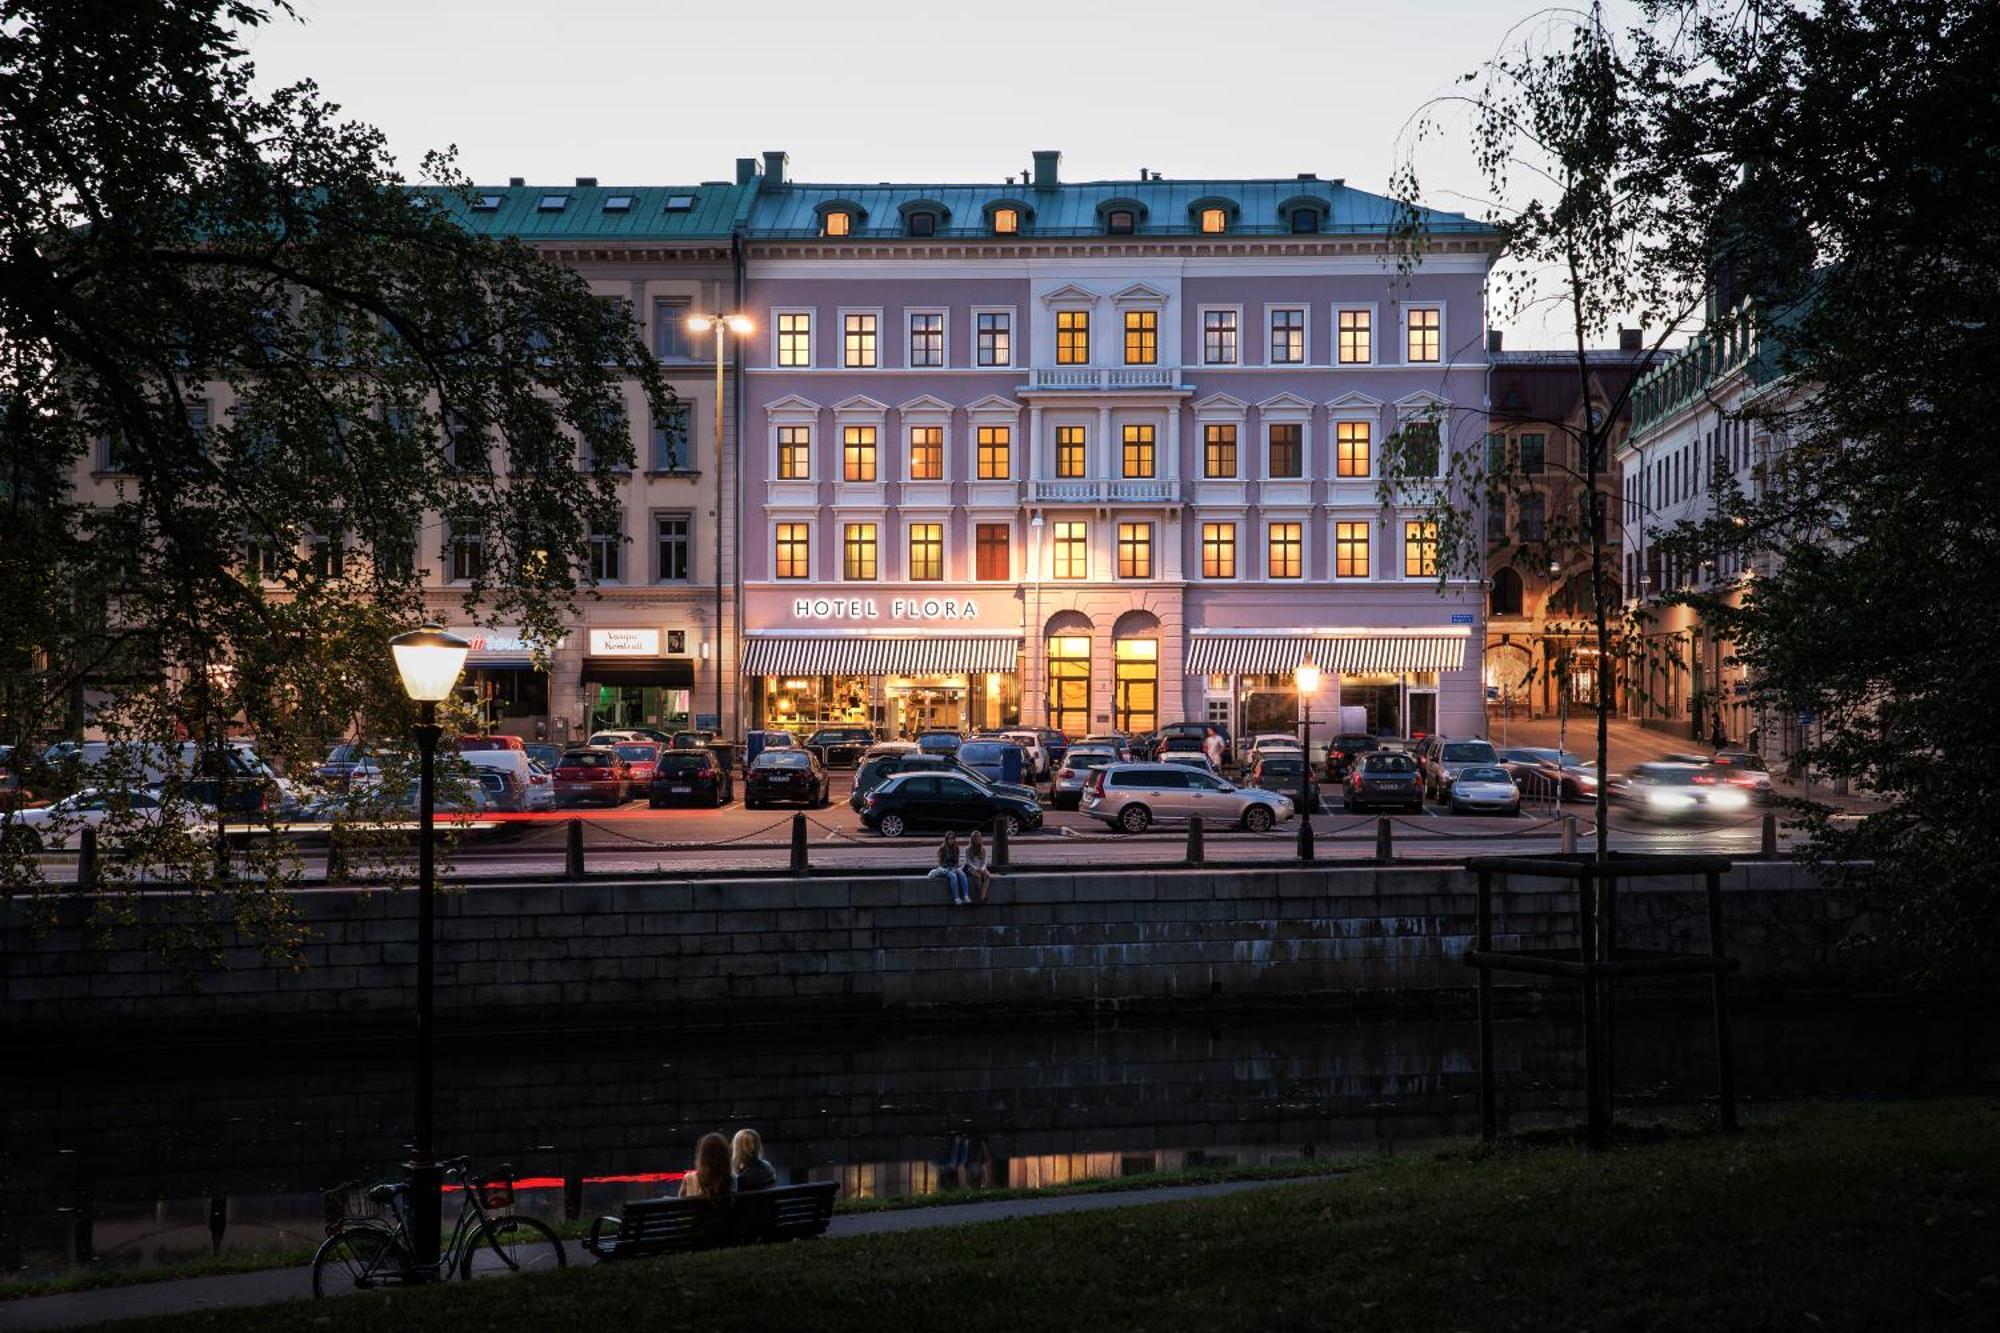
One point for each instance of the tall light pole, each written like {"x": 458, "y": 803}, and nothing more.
{"x": 1031, "y": 636}
{"x": 429, "y": 661}
{"x": 1306, "y": 677}
{"x": 722, "y": 325}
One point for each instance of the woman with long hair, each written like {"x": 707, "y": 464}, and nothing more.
{"x": 711, "y": 1178}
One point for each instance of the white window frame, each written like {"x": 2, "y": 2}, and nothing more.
{"x": 1154, "y": 550}
{"x": 795, "y": 413}
{"x": 814, "y": 555}
{"x": 840, "y": 318}
{"x": 812, "y": 333}
{"x": 1013, "y": 336}
{"x": 923, "y": 412}
{"x": 1366, "y": 518}
{"x": 653, "y": 518}
{"x": 911, "y": 519}
{"x": 976, "y": 519}
{"x": 1305, "y": 335}
{"x": 910, "y": 337}
{"x": 1409, "y": 308}
{"x": 1238, "y": 519}
{"x": 1201, "y": 314}
{"x": 1374, "y": 332}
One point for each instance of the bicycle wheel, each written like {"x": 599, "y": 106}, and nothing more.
{"x": 359, "y": 1258}
{"x": 506, "y": 1246}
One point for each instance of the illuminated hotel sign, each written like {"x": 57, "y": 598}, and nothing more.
{"x": 869, "y": 608}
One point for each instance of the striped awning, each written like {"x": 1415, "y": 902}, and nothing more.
{"x": 1260, "y": 654}
{"x": 797, "y": 655}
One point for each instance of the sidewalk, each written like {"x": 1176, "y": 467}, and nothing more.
{"x": 281, "y": 1285}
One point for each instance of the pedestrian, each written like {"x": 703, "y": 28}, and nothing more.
{"x": 951, "y": 872}
{"x": 978, "y": 874}
{"x": 1716, "y": 736}
{"x": 746, "y": 1155}
{"x": 1211, "y": 745}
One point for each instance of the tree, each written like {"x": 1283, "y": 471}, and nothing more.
{"x": 245, "y": 364}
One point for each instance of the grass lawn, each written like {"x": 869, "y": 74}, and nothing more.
{"x": 1841, "y": 1217}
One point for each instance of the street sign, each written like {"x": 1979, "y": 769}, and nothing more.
{"x": 1805, "y": 718}
{"x": 1461, "y": 617}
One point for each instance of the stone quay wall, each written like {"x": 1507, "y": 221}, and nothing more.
{"x": 584, "y": 956}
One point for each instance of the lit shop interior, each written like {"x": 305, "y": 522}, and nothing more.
{"x": 894, "y": 706}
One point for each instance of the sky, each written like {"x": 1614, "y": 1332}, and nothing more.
{"x": 869, "y": 90}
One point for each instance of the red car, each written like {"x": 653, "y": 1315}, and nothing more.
{"x": 642, "y": 760}
{"x": 592, "y": 774}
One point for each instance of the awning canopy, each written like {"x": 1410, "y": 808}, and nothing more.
{"x": 674, "y": 673}
{"x": 1267, "y": 654}
{"x": 798, "y": 655}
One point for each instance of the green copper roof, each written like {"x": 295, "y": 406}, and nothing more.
{"x": 621, "y": 212}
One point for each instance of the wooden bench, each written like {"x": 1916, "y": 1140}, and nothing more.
{"x": 678, "y": 1226}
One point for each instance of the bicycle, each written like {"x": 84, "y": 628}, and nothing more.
{"x": 366, "y": 1253}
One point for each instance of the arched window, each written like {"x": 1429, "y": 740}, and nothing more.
{"x": 1136, "y": 672}
{"x": 1068, "y": 639}
{"x": 1506, "y": 593}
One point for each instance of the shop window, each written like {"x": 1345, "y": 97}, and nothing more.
{"x": 993, "y": 543}
{"x": 926, "y": 551}
{"x": 1136, "y": 702}
{"x": 1071, "y": 451}
{"x": 1069, "y": 684}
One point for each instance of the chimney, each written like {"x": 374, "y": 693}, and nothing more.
{"x": 1494, "y": 339}
{"x": 746, "y": 170}
{"x": 1046, "y": 161}
{"x": 1631, "y": 340}
{"x": 586, "y": 182}
{"x": 517, "y": 182}
{"x": 1308, "y": 176}
{"x": 774, "y": 167}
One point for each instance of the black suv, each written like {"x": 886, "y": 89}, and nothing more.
{"x": 885, "y": 766}
{"x": 840, "y": 747}
{"x": 692, "y": 776}
{"x": 785, "y": 775}
{"x": 911, "y": 802}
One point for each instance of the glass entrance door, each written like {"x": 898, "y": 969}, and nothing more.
{"x": 1137, "y": 701}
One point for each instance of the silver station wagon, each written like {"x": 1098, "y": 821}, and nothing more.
{"x": 1133, "y": 797}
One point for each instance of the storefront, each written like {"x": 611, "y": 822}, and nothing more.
{"x": 897, "y": 663}
{"x": 1392, "y": 677}
{"x": 637, "y": 678}
{"x": 503, "y": 682}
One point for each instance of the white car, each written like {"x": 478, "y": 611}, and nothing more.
{"x": 1486, "y": 788}
{"x": 1031, "y": 748}
{"x": 60, "y": 824}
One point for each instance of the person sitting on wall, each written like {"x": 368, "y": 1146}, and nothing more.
{"x": 746, "y": 1154}
{"x": 710, "y": 1178}
{"x": 949, "y": 870}
{"x": 979, "y": 876}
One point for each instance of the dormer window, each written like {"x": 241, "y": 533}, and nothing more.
{"x": 1006, "y": 221}
{"x": 1214, "y": 221}
{"x": 486, "y": 203}
{"x": 1119, "y": 222}
{"x": 836, "y": 224}
{"x": 1305, "y": 221}
{"x": 553, "y": 203}
{"x": 679, "y": 203}
{"x": 923, "y": 224}
{"x": 618, "y": 203}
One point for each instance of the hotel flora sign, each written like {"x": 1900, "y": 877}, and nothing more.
{"x": 883, "y": 613}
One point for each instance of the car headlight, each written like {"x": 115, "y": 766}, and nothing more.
{"x": 1669, "y": 800}
{"x": 1728, "y": 798}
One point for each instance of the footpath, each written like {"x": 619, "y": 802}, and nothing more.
{"x": 278, "y": 1286}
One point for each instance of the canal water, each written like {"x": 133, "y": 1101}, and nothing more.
{"x": 134, "y": 1159}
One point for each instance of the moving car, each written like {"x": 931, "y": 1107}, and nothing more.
{"x": 1279, "y": 771}
{"x": 1745, "y": 769}
{"x": 1537, "y": 771}
{"x": 840, "y": 747}
{"x": 1383, "y": 778}
{"x": 591, "y": 774}
{"x": 1133, "y": 797}
{"x": 918, "y": 801}
{"x": 690, "y": 776}
{"x": 1441, "y": 758}
{"x": 1678, "y": 791}
{"x": 1077, "y": 763}
{"x": 1484, "y": 789}
{"x": 61, "y": 823}
{"x": 785, "y": 775}
{"x": 1344, "y": 749}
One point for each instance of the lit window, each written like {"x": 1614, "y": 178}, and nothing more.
{"x": 794, "y": 545}
{"x": 927, "y": 338}
{"x": 858, "y": 552}
{"x": 1135, "y": 550}
{"x": 1120, "y": 222}
{"x": 1351, "y": 445}
{"x": 993, "y": 547}
{"x": 1072, "y": 555}
{"x": 1071, "y": 451}
{"x": 1426, "y": 329}
{"x": 1072, "y": 337}
{"x": 1214, "y": 221}
{"x": 996, "y": 448}
{"x": 795, "y": 338}
{"x": 1142, "y": 337}
{"x": 1287, "y": 449}
{"x": 1350, "y": 550}
{"x": 1218, "y": 337}
{"x": 1218, "y": 450}
{"x": 926, "y": 453}
{"x": 858, "y": 342}
{"x": 1135, "y": 700}
{"x": 1006, "y": 221}
{"x": 1218, "y": 550}
{"x": 857, "y": 453}
{"x": 996, "y": 330}
{"x": 1420, "y": 549}
{"x": 1138, "y": 458}
{"x": 926, "y": 552}
{"x": 794, "y": 453}
{"x": 1357, "y": 337}
{"x": 1288, "y": 337}
{"x": 1069, "y": 683}
{"x": 836, "y": 223}
{"x": 1285, "y": 557}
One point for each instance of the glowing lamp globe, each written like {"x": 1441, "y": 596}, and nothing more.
{"x": 429, "y": 661}
{"x": 1307, "y": 677}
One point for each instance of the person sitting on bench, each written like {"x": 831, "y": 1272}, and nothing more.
{"x": 710, "y": 1178}
{"x": 746, "y": 1153}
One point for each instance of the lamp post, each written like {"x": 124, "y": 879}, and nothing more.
{"x": 1307, "y": 680}
{"x": 722, "y": 325}
{"x": 1031, "y": 634}
{"x": 429, "y": 661}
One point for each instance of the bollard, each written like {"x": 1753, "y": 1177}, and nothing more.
{"x": 1385, "y": 846}
{"x": 573, "y": 862}
{"x": 1305, "y": 835}
{"x": 800, "y": 864}
{"x": 1197, "y": 852}
{"x": 999, "y": 858}
{"x": 86, "y": 859}
{"x": 336, "y": 858}
{"x": 1770, "y": 847}
{"x": 1569, "y": 835}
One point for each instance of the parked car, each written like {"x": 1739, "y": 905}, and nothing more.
{"x": 879, "y": 769}
{"x": 1537, "y": 771}
{"x": 693, "y": 740}
{"x": 1441, "y": 759}
{"x": 1484, "y": 789}
{"x": 1194, "y": 759}
{"x": 692, "y": 776}
{"x": 521, "y": 785}
{"x": 920, "y": 801}
{"x": 939, "y": 742}
{"x": 996, "y": 760}
{"x": 593, "y": 773}
{"x": 1180, "y": 742}
{"x": 785, "y": 775}
{"x": 1148, "y": 747}
{"x": 1117, "y": 741}
{"x": 1344, "y": 749}
{"x": 348, "y": 763}
{"x": 61, "y": 823}
{"x": 1383, "y": 778}
{"x": 1678, "y": 791}
{"x": 641, "y": 759}
{"x": 1038, "y": 766}
{"x": 1054, "y": 744}
{"x": 840, "y": 747}
{"x": 615, "y": 736}
{"x": 1133, "y": 797}
{"x": 13, "y": 795}
{"x": 472, "y": 744}
{"x": 1279, "y": 771}
{"x": 546, "y": 753}
{"x": 1077, "y": 763}
{"x": 1744, "y": 769}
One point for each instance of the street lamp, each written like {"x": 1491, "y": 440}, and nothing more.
{"x": 1306, "y": 677}
{"x": 1032, "y": 634}
{"x": 721, "y": 325}
{"x": 429, "y": 661}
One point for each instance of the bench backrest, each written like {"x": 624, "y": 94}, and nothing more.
{"x": 789, "y": 1212}
{"x": 666, "y": 1226}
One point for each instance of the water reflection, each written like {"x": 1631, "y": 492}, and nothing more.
{"x": 137, "y": 1159}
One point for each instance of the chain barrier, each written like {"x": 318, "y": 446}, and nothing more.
{"x": 686, "y": 846}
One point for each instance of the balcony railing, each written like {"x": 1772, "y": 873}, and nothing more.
{"x": 1104, "y": 377}
{"x": 1105, "y": 490}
